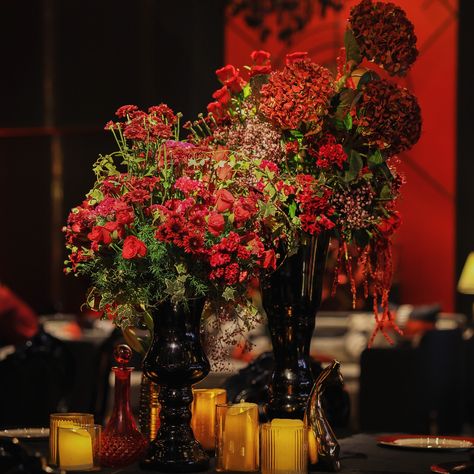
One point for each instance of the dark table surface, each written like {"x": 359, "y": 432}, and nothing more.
{"x": 360, "y": 454}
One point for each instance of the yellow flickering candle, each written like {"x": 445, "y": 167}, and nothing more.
{"x": 75, "y": 449}
{"x": 203, "y": 421}
{"x": 237, "y": 437}
{"x": 284, "y": 447}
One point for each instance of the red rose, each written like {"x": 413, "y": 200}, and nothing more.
{"x": 225, "y": 73}
{"x": 241, "y": 214}
{"x": 114, "y": 228}
{"x": 269, "y": 259}
{"x": 133, "y": 247}
{"x": 222, "y": 95}
{"x": 260, "y": 57}
{"x": 235, "y": 84}
{"x": 224, "y": 200}
{"x": 262, "y": 63}
{"x": 216, "y": 223}
{"x": 124, "y": 213}
{"x": 388, "y": 226}
{"x": 215, "y": 108}
{"x": 292, "y": 57}
{"x": 100, "y": 234}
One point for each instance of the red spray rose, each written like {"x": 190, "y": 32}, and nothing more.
{"x": 133, "y": 247}
{"x": 216, "y": 223}
{"x": 224, "y": 200}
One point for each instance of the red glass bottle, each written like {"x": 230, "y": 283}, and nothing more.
{"x": 122, "y": 442}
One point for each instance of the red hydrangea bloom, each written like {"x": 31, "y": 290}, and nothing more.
{"x": 133, "y": 248}
{"x": 297, "y": 94}
{"x": 390, "y": 117}
{"x": 384, "y": 35}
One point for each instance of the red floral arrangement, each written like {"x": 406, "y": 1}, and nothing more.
{"x": 326, "y": 145}
{"x": 166, "y": 219}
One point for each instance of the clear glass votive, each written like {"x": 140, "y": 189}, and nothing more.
{"x": 237, "y": 440}
{"x": 203, "y": 421}
{"x": 79, "y": 447}
{"x": 65, "y": 420}
{"x": 284, "y": 447}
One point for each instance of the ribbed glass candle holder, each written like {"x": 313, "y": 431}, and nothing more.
{"x": 284, "y": 448}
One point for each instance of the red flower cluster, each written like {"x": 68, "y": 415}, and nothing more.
{"x": 330, "y": 154}
{"x": 390, "y": 116}
{"x": 384, "y": 35}
{"x": 314, "y": 204}
{"x": 141, "y": 126}
{"x": 298, "y": 94}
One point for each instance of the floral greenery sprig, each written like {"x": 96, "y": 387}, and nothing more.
{"x": 330, "y": 143}
{"x": 168, "y": 219}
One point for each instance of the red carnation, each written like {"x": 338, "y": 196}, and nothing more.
{"x": 222, "y": 95}
{"x": 224, "y": 200}
{"x": 133, "y": 247}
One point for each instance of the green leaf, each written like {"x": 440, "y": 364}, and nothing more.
{"x": 228, "y": 294}
{"x": 366, "y": 78}
{"x": 375, "y": 159}
{"x": 346, "y": 99}
{"x": 355, "y": 165}
{"x": 348, "y": 121}
{"x": 292, "y": 210}
{"x": 352, "y": 48}
{"x": 386, "y": 193}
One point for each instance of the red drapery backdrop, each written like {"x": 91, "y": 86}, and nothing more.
{"x": 425, "y": 244}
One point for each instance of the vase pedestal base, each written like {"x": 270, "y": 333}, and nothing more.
{"x": 172, "y": 458}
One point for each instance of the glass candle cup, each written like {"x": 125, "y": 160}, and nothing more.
{"x": 79, "y": 447}
{"x": 284, "y": 447}
{"x": 237, "y": 441}
{"x": 203, "y": 421}
{"x": 67, "y": 420}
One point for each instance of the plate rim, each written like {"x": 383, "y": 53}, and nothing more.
{"x": 389, "y": 441}
{"x": 22, "y": 433}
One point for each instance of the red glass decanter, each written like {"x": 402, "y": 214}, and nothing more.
{"x": 122, "y": 443}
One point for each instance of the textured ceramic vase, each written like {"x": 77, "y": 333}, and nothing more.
{"x": 291, "y": 298}
{"x": 176, "y": 361}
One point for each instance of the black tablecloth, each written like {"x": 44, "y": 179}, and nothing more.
{"x": 360, "y": 454}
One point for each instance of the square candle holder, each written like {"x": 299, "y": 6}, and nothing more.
{"x": 79, "y": 447}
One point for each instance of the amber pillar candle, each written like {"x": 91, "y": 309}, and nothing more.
{"x": 203, "y": 421}
{"x": 237, "y": 446}
{"x": 284, "y": 447}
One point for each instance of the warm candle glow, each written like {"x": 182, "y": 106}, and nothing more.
{"x": 203, "y": 421}
{"x": 284, "y": 447}
{"x": 75, "y": 449}
{"x": 237, "y": 447}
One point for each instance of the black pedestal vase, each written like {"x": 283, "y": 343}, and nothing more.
{"x": 291, "y": 298}
{"x": 176, "y": 361}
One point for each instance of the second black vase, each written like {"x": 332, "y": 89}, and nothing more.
{"x": 176, "y": 361}
{"x": 291, "y": 299}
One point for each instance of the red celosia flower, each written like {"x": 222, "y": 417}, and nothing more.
{"x": 389, "y": 117}
{"x": 133, "y": 247}
{"x": 296, "y": 56}
{"x": 298, "y": 94}
{"x": 384, "y": 35}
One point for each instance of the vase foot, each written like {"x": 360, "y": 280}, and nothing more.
{"x": 175, "y": 458}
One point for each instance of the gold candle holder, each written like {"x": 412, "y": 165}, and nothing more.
{"x": 66, "y": 420}
{"x": 203, "y": 421}
{"x": 237, "y": 441}
{"x": 284, "y": 447}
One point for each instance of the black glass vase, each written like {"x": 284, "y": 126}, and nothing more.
{"x": 291, "y": 299}
{"x": 176, "y": 361}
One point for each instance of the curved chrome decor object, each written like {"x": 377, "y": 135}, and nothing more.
{"x": 324, "y": 448}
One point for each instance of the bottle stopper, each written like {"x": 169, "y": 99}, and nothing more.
{"x": 122, "y": 355}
